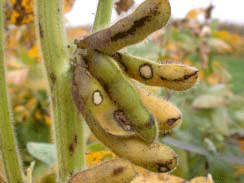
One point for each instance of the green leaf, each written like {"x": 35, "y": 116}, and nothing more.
{"x": 239, "y": 115}
{"x": 220, "y": 120}
{"x": 42, "y": 151}
{"x": 96, "y": 147}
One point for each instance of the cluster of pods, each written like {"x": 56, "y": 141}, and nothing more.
{"x": 109, "y": 91}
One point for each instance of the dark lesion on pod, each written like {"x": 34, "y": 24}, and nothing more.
{"x": 118, "y": 57}
{"x": 123, "y": 120}
{"x": 137, "y": 24}
{"x": 184, "y": 78}
{"x": 166, "y": 166}
{"x": 146, "y": 71}
{"x": 118, "y": 170}
{"x": 172, "y": 121}
{"x": 97, "y": 97}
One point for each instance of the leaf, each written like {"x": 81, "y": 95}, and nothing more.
{"x": 97, "y": 157}
{"x": 123, "y": 6}
{"x": 220, "y": 120}
{"x": 239, "y": 115}
{"x": 199, "y": 150}
{"x": 208, "y": 101}
{"x": 43, "y": 151}
{"x": 194, "y": 13}
{"x": 96, "y": 147}
{"x": 68, "y": 4}
{"x": 219, "y": 45}
{"x": 20, "y": 12}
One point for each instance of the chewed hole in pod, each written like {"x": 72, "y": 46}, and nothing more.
{"x": 97, "y": 97}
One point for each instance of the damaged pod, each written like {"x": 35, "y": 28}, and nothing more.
{"x": 100, "y": 106}
{"x": 167, "y": 115}
{"x": 171, "y": 76}
{"x": 148, "y": 17}
{"x": 154, "y": 157}
{"x": 116, "y": 170}
{"x": 123, "y": 93}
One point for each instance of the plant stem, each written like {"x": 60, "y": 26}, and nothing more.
{"x": 11, "y": 159}
{"x": 103, "y": 14}
{"x": 68, "y": 127}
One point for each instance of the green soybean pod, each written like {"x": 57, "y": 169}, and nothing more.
{"x": 123, "y": 93}
{"x": 154, "y": 157}
{"x": 172, "y": 76}
{"x": 112, "y": 171}
{"x": 148, "y": 17}
{"x": 101, "y": 107}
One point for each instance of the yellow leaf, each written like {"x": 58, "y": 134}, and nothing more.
{"x": 48, "y": 120}
{"x": 21, "y": 11}
{"x": 33, "y": 53}
{"x": 97, "y": 157}
{"x": 193, "y": 14}
{"x": 68, "y": 4}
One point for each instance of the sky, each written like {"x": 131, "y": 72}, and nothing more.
{"x": 83, "y": 12}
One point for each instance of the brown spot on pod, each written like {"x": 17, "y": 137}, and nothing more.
{"x": 136, "y": 25}
{"x": 123, "y": 120}
{"x": 118, "y": 171}
{"x": 166, "y": 166}
{"x": 184, "y": 78}
{"x": 172, "y": 121}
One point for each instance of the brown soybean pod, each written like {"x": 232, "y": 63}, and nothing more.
{"x": 154, "y": 157}
{"x": 112, "y": 171}
{"x": 148, "y": 17}
{"x": 172, "y": 76}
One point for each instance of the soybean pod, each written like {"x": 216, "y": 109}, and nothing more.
{"x": 171, "y": 76}
{"x": 123, "y": 93}
{"x": 167, "y": 114}
{"x": 154, "y": 157}
{"x": 116, "y": 170}
{"x": 148, "y": 17}
{"x": 101, "y": 107}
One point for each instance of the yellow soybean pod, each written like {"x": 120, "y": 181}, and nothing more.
{"x": 100, "y": 106}
{"x": 154, "y": 157}
{"x": 113, "y": 171}
{"x": 171, "y": 76}
{"x": 148, "y": 17}
{"x": 167, "y": 114}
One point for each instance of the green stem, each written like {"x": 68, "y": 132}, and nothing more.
{"x": 11, "y": 160}
{"x": 103, "y": 14}
{"x": 68, "y": 127}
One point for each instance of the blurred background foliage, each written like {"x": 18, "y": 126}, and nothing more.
{"x": 211, "y": 138}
